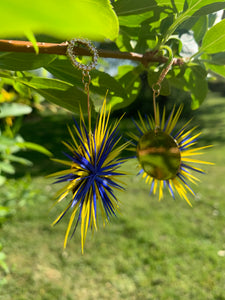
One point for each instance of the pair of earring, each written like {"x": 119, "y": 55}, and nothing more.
{"x": 91, "y": 176}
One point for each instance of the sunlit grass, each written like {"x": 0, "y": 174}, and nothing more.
{"x": 152, "y": 250}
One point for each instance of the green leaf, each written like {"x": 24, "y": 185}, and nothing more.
{"x": 215, "y": 59}
{"x": 14, "y": 110}
{"x": 2, "y": 180}
{"x": 24, "y": 61}
{"x": 23, "y": 90}
{"x": 20, "y": 160}
{"x": 30, "y": 36}
{"x": 220, "y": 70}
{"x": 33, "y": 146}
{"x": 66, "y": 19}
{"x": 129, "y": 78}
{"x": 59, "y": 92}
{"x": 7, "y": 167}
{"x": 6, "y": 142}
{"x": 203, "y": 7}
{"x": 190, "y": 78}
{"x": 64, "y": 70}
{"x": 4, "y": 211}
{"x": 101, "y": 82}
{"x": 131, "y": 7}
{"x": 194, "y": 8}
{"x": 177, "y": 5}
{"x": 134, "y": 20}
{"x": 43, "y": 83}
{"x": 198, "y": 86}
{"x": 200, "y": 28}
{"x": 214, "y": 40}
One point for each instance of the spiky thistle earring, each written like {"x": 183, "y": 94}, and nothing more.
{"x": 166, "y": 159}
{"x": 92, "y": 169}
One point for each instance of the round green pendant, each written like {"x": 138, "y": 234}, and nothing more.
{"x": 159, "y": 155}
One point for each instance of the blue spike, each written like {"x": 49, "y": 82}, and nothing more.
{"x": 167, "y": 121}
{"x": 169, "y": 186}
{"x": 94, "y": 199}
{"x": 86, "y": 133}
{"x": 137, "y": 126}
{"x": 182, "y": 178}
{"x": 182, "y": 129}
{"x": 107, "y": 201}
{"x": 147, "y": 121}
{"x": 192, "y": 168}
{"x": 75, "y": 227}
{"x": 110, "y": 166}
{"x": 63, "y": 214}
{"x": 140, "y": 172}
{"x": 152, "y": 186}
{"x": 186, "y": 146}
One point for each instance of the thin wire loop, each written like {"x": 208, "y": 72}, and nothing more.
{"x": 86, "y": 77}
{"x": 72, "y": 55}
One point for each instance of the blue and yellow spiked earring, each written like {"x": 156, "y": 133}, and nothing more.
{"x": 166, "y": 159}
{"x": 92, "y": 168}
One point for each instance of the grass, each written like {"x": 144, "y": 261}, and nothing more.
{"x": 152, "y": 250}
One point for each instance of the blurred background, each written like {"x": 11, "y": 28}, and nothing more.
{"x": 151, "y": 250}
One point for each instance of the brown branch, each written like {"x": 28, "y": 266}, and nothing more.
{"x": 60, "y": 49}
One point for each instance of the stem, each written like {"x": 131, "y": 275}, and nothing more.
{"x": 89, "y": 110}
{"x": 157, "y": 86}
{"x": 154, "y": 106}
{"x": 60, "y": 49}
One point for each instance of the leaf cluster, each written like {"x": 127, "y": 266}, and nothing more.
{"x": 189, "y": 27}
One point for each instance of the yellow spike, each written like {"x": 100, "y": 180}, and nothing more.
{"x": 191, "y": 177}
{"x": 172, "y": 187}
{"x": 161, "y": 190}
{"x": 88, "y": 197}
{"x": 144, "y": 128}
{"x": 147, "y": 179}
{"x": 151, "y": 179}
{"x": 83, "y": 217}
{"x": 70, "y": 224}
{"x": 157, "y": 115}
{"x": 101, "y": 205}
{"x": 60, "y": 173}
{"x": 63, "y": 189}
{"x": 64, "y": 162}
{"x": 181, "y": 191}
{"x": 151, "y": 122}
{"x": 163, "y": 118}
{"x": 57, "y": 219}
{"x": 155, "y": 186}
{"x": 196, "y": 161}
{"x": 62, "y": 196}
{"x": 93, "y": 214}
{"x": 182, "y": 135}
{"x": 173, "y": 120}
{"x": 169, "y": 121}
{"x": 191, "y": 139}
{"x": 182, "y": 130}
{"x": 194, "y": 151}
{"x": 72, "y": 136}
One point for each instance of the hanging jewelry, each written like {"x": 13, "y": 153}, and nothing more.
{"x": 93, "y": 163}
{"x": 86, "y": 78}
{"x": 166, "y": 159}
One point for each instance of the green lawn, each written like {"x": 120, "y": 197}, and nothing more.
{"x": 152, "y": 250}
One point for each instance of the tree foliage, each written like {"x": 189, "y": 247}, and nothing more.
{"x": 145, "y": 25}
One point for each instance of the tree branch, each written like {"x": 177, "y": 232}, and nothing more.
{"x": 60, "y": 49}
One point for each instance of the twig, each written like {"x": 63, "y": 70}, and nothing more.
{"x": 60, "y": 49}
